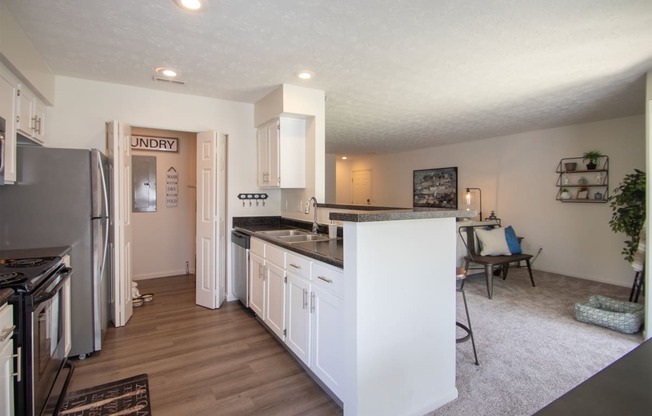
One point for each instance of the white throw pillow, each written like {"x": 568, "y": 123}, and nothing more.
{"x": 493, "y": 242}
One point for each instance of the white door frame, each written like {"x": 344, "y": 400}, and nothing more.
{"x": 119, "y": 151}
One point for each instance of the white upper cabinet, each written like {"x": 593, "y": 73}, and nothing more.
{"x": 282, "y": 153}
{"x": 8, "y": 142}
{"x": 31, "y": 115}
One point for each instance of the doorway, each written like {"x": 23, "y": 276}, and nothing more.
{"x": 163, "y": 234}
{"x": 209, "y": 204}
{"x": 361, "y": 187}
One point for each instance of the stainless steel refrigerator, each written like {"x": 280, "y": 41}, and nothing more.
{"x": 61, "y": 198}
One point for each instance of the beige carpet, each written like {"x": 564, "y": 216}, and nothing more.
{"x": 530, "y": 347}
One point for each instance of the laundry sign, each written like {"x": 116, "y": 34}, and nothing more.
{"x": 161, "y": 144}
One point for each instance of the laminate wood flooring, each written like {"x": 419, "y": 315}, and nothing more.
{"x": 201, "y": 361}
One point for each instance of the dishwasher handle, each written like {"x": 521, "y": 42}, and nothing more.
{"x": 240, "y": 239}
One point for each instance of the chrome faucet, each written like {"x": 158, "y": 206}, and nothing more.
{"x": 315, "y": 226}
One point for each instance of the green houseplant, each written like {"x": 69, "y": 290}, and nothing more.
{"x": 565, "y": 194}
{"x": 593, "y": 157}
{"x": 628, "y": 205}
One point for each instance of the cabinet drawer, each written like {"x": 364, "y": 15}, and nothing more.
{"x": 298, "y": 265}
{"x": 275, "y": 255}
{"x": 257, "y": 247}
{"x": 328, "y": 278}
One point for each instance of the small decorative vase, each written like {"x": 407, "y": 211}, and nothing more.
{"x": 565, "y": 195}
{"x": 598, "y": 196}
{"x": 591, "y": 166}
{"x": 570, "y": 166}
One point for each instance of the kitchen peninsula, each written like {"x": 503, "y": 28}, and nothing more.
{"x": 398, "y": 326}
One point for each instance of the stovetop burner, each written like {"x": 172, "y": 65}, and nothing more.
{"x": 26, "y": 274}
{"x": 32, "y": 262}
{"x": 12, "y": 278}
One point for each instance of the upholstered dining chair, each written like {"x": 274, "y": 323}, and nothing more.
{"x": 488, "y": 257}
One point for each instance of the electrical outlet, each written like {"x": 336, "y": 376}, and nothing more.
{"x": 299, "y": 206}
{"x": 286, "y": 204}
{"x": 307, "y": 209}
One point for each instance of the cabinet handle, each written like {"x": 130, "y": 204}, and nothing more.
{"x": 7, "y": 332}
{"x": 2, "y": 152}
{"x": 17, "y": 356}
{"x": 295, "y": 266}
{"x": 38, "y": 125}
{"x": 312, "y": 302}
{"x": 34, "y": 121}
{"x": 305, "y": 298}
{"x": 324, "y": 279}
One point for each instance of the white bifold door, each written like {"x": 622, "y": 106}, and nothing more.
{"x": 211, "y": 220}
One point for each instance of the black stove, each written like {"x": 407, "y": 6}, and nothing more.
{"x": 27, "y": 274}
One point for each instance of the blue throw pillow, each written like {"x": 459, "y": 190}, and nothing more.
{"x": 512, "y": 241}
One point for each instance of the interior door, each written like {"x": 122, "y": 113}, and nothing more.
{"x": 119, "y": 153}
{"x": 210, "y": 288}
{"x": 361, "y": 187}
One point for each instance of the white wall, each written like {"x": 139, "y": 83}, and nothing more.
{"x": 82, "y": 107}
{"x": 164, "y": 240}
{"x": 517, "y": 176}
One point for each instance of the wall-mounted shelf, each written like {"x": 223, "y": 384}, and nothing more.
{"x": 584, "y": 185}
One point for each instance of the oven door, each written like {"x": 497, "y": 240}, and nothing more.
{"x": 49, "y": 327}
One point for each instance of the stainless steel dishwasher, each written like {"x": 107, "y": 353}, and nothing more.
{"x": 240, "y": 266}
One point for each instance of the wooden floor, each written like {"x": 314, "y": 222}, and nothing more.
{"x": 203, "y": 362}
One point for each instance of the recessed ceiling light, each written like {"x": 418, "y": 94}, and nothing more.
{"x": 305, "y": 75}
{"x": 192, "y": 5}
{"x": 344, "y": 158}
{"x": 168, "y": 72}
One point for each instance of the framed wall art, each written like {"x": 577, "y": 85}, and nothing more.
{"x": 435, "y": 188}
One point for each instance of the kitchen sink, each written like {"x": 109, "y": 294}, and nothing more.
{"x": 286, "y": 233}
{"x": 303, "y": 238}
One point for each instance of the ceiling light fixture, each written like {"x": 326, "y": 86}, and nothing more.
{"x": 344, "y": 158}
{"x": 305, "y": 75}
{"x": 168, "y": 72}
{"x": 192, "y": 5}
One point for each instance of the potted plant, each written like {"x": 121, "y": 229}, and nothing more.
{"x": 628, "y": 205}
{"x": 565, "y": 194}
{"x": 592, "y": 156}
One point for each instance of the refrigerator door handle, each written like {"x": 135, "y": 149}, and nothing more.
{"x": 105, "y": 193}
{"x": 106, "y": 245}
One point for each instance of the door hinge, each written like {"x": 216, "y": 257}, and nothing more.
{"x": 285, "y": 332}
{"x": 18, "y": 93}
{"x": 285, "y": 279}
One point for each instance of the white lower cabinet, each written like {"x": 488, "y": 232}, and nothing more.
{"x": 6, "y": 361}
{"x": 257, "y": 290}
{"x": 301, "y": 300}
{"x": 275, "y": 302}
{"x": 298, "y": 317}
{"x": 327, "y": 343}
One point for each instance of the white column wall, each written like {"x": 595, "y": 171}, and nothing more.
{"x": 399, "y": 316}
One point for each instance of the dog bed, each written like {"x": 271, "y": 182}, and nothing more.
{"x": 621, "y": 316}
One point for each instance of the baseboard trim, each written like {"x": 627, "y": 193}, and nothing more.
{"x": 166, "y": 273}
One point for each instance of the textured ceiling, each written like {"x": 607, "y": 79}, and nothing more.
{"x": 398, "y": 74}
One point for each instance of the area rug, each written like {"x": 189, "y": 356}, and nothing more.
{"x": 127, "y": 397}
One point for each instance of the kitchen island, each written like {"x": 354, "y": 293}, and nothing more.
{"x": 399, "y": 330}
{"x": 398, "y": 326}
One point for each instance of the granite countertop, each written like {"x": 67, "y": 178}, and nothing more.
{"x": 34, "y": 252}
{"x": 5, "y": 294}
{"x": 330, "y": 252}
{"x": 400, "y": 214}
